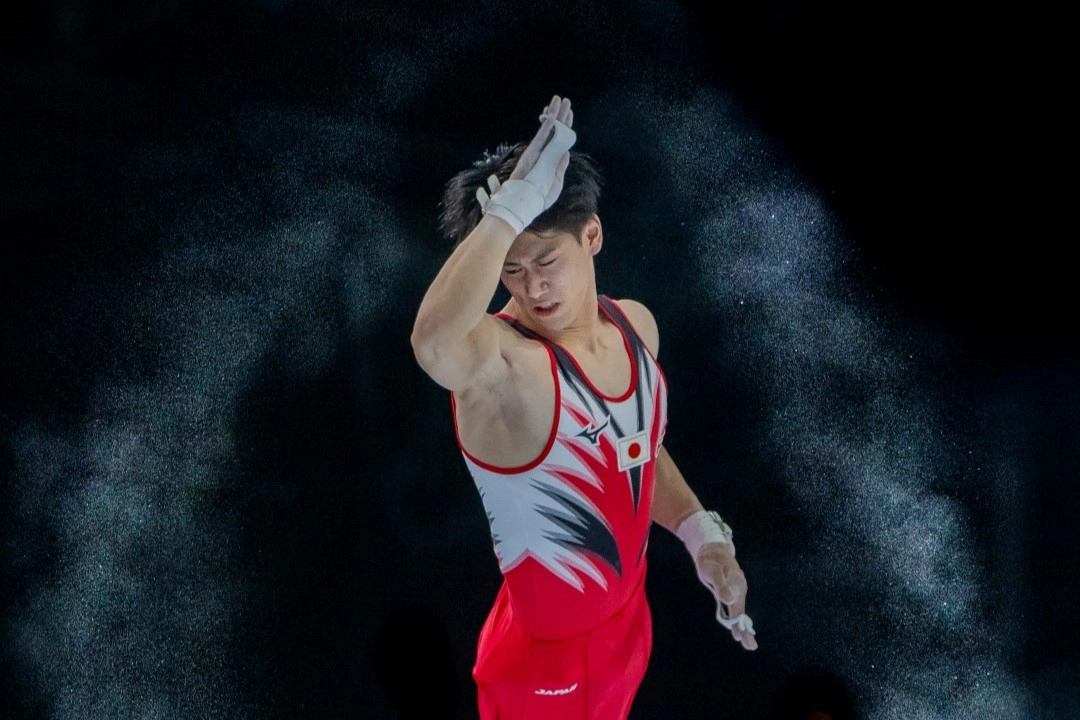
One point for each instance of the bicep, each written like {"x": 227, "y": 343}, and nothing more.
{"x": 476, "y": 358}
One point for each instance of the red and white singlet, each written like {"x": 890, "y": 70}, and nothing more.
{"x": 570, "y": 529}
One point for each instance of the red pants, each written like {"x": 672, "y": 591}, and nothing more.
{"x": 592, "y": 676}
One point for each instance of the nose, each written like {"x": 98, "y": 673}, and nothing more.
{"x": 535, "y": 286}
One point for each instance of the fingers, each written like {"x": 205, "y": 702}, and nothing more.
{"x": 560, "y": 171}
{"x": 721, "y": 573}
{"x": 547, "y": 119}
{"x": 482, "y": 197}
{"x": 556, "y": 111}
{"x": 728, "y": 609}
{"x": 744, "y": 638}
{"x": 552, "y": 109}
{"x": 738, "y": 623}
{"x": 539, "y": 141}
{"x": 734, "y": 593}
{"x": 563, "y": 112}
{"x": 741, "y": 628}
{"x": 719, "y": 570}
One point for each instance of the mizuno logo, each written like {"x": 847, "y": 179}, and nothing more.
{"x": 560, "y": 691}
{"x": 592, "y": 434}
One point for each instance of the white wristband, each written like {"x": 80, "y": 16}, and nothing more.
{"x": 518, "y": 202}
{"x": 704, "y": 526}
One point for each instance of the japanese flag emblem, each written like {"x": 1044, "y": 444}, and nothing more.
{"x": 634, "y": 450}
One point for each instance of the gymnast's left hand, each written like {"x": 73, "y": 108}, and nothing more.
{"x": 720, "y": 572}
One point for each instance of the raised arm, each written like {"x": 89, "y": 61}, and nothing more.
{"x": 454, "y": 339}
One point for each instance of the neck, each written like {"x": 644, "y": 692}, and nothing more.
{"x": 583, "y": 330}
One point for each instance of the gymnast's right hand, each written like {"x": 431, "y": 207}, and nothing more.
{"x": 537, "y": 179}
{"x": 545, "y": 159}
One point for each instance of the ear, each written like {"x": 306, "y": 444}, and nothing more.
{"x": 592, "y": 235}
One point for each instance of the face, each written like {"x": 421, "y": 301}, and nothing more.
{"x": 550, "y": 276}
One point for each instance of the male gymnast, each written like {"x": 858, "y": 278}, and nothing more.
{"x": 560, "y": 408}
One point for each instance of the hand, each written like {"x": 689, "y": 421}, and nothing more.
{"x": 545, "y": 170}
{"x": 720, "y": 572}
{"x": 537, "y": 179}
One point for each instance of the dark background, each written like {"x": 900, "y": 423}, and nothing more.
{"x": 231, "y": 492}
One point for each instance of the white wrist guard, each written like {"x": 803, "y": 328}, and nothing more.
{"x": 518, "y": 202}
{"x": 701, "y": 528}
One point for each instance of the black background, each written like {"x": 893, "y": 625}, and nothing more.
{"x": 341, "y": 522}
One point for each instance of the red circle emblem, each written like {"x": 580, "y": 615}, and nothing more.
{"x": 634, "y": 450}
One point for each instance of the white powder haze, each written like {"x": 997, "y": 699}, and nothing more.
{"x": 137, "y": 613}
{"x": 853, "y": 421}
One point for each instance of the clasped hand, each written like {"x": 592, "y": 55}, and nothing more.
{"x": 720, "y": 572}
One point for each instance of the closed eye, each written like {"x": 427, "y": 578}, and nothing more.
{"x": 516, "y": 270}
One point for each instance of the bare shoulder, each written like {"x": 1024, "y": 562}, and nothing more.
{"x": 643, "y": 321}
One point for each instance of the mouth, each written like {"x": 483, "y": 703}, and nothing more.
{"x": 546, "y": 309}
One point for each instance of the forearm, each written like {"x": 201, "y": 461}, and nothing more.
{"x": 673, "y": 500}
{"x": 460, "y": 294}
